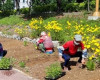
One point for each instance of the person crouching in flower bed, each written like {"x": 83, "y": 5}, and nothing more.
{"x": 44, "y": 43}
{"x": 70, "y": 49}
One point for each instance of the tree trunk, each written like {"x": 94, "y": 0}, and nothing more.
{"x": 88, "y": 6}
{"x": 17, "y": 6}
{"x": 58, "y": 6}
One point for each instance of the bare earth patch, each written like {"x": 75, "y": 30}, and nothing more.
{"x": 36, "y": 62}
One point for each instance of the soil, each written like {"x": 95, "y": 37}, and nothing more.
{"x": 36, "y": 61}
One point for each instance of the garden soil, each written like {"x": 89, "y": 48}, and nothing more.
{"x": 36, "y": 61}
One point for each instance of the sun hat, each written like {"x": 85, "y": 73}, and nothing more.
{"x": 43, "y": 33}
{"x": 78, "y": 37}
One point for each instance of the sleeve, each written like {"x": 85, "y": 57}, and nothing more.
{"x": 65, "y": 46}
{"x": 82, "y": 46}
{"x": 40, "y": 41}
{"x": 84, "y": 51}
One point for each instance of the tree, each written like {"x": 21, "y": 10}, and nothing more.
{"x": 17, "y": 6}
{"x": 58, "y": 6}
{"x": 30, "y": 3}
{"x": 88, "y": 5}
{"x": 0, "y": 4}
{"x": 8, "y": 5}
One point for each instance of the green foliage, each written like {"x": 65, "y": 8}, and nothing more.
{"x": 7, "y": 8}
{"x": 71, "y": 7}
{"x": 12, "y": 20}
{"x": 90, "y": 65}
{"x": 92, "y": 4}
{"x": 22, "y": 64}
{"x": 5, "y": 63}
{"x": 44, "y": 8}
{"x": 53, "y": 71}
{"x": 81, "y": 6}
{"x": 24, "y": 10}
{"x": 0, "y": 4}
{"x": 25, "y": 43}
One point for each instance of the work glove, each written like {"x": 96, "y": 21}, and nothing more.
{"x": 85, "y": 54}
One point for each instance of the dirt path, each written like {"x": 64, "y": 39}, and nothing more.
{"x": 36, "y": 62}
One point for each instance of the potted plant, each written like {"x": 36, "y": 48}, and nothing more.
{"x": 53, "y": 72}
{"x": 5, "y": 64}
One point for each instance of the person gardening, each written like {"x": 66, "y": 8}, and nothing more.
{"x": 2, "y": 52}
{"x": 70, "y": 49}
{"x": 44, "y": 43}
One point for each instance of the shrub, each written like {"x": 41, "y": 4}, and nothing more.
{"x": 25, "y": 43}
{"x": 5, "y": 63}
{"x": 24, "y": 10}
{"x": 53, "y": 71}
{"x": 90, "y": 65}
{"x": 22, "y": 64}
{"x": 71, "y": 7}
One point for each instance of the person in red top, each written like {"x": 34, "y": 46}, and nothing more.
{"x": 45, "y": 43}
{"x": 71, "y": 49}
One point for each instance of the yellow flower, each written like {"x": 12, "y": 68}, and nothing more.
{"x": 88, "y": 46}
{"x": 90, "y": 58}
{"x": 49, "y": 34}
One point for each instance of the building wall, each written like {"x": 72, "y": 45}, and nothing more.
{"x": 23, "y": 3}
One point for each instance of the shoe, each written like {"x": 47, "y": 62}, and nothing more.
{"x": 65, "y": 69}
{"x": 82, "y": 66}
{"x": 78, "y": 64}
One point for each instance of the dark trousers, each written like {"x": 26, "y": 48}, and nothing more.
{"x": 67, "y": 57}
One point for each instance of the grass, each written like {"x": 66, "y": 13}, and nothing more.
{"x": 17, "y": 19}
{"x": 12, "y": 20}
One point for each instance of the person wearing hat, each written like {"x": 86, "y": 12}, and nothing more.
{"x": 45, "y": 44}
{"x": 70, "y": 49}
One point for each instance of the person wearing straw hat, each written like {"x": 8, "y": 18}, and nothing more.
{"x": 71, "y": 49}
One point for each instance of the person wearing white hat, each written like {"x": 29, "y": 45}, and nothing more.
{"x": 45, "y": 43}
{"x": 70, "y": 49}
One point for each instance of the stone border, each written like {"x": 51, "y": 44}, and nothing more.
{"x": 25, "y": 74}
{"x": 17, "y": 37}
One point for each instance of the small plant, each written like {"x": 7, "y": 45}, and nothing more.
{"x": 22, "y": 64}
{"x": 53, "y": 71}
{"x": 25, "y": 43}
{"x": 90, "y": 65}
{"x": 5, "y": 63}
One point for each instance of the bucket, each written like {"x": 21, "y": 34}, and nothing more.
{"x": 49, "y": 52}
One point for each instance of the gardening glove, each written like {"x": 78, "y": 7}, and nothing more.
{"x": 60, "y": 50}
{"x": 85, "y": 54}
